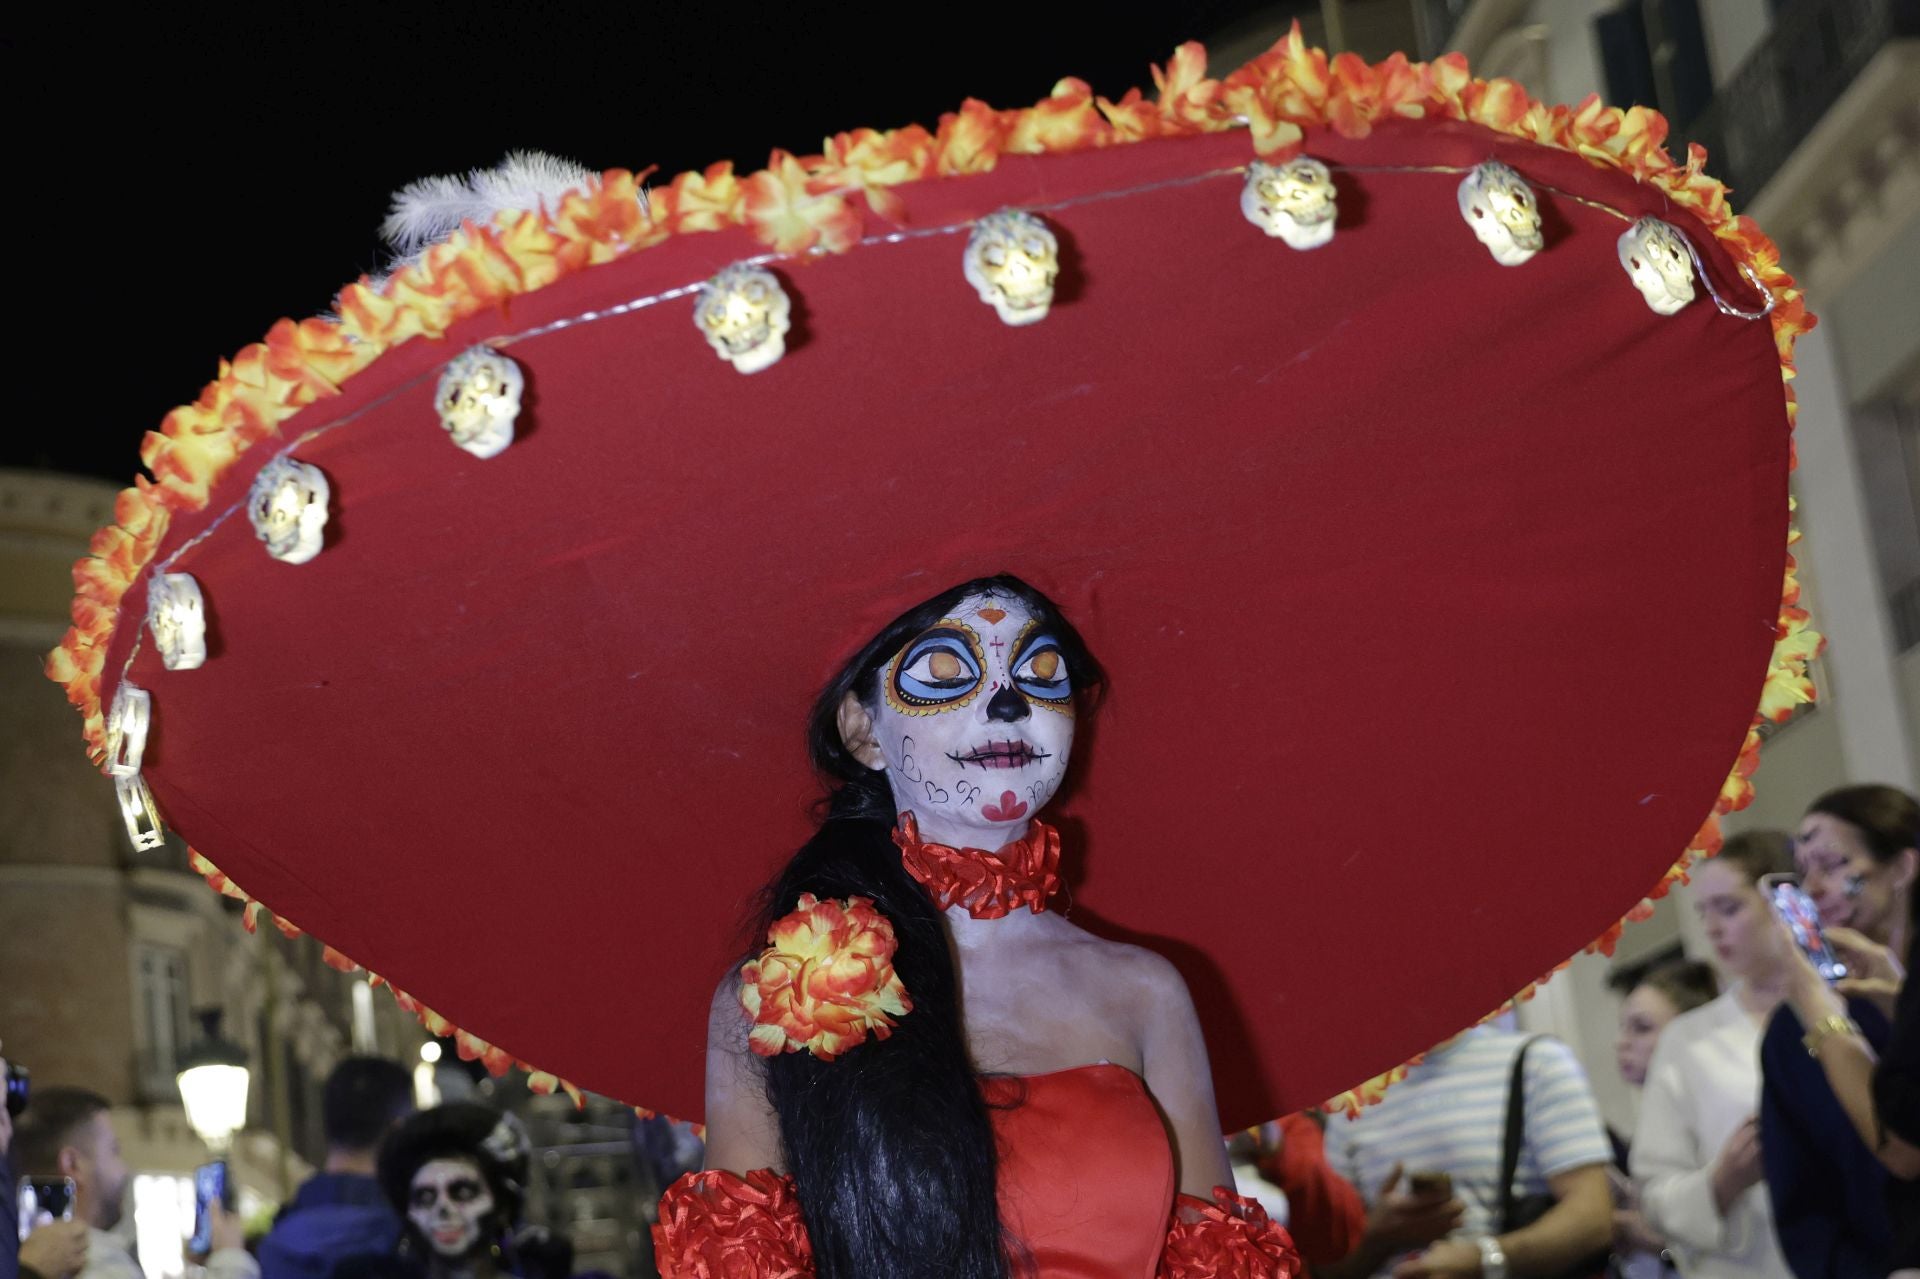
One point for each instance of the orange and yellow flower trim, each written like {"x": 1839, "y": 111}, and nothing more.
{"x": 470, "y": 1047}
{"x": 814, "y": 203}
{"x": 825, "y": 981}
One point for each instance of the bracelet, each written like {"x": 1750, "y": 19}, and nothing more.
{"x": 1493, "y": 1258}
{"x": 1833, "y": 1023}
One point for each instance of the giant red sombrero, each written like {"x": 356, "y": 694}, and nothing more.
{"x": 1439, "y": 594}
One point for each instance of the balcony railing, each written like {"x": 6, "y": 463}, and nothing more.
{"x": 1770, "y": 105}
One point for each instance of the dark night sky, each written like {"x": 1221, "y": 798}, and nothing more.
{"x": 185, "y": 178}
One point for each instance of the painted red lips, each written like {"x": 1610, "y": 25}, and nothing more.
{"x": 999, "y": 755}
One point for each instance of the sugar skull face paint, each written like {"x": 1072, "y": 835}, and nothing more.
{"x": 974, "y": 721}
{"x": 449, "y": 1203}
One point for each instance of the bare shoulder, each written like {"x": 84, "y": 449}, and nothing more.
{"x": 1144, "y": 973}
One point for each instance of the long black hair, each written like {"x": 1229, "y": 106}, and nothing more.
{"x": 890, "y": 1145}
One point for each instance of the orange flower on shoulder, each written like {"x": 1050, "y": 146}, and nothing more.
{"x": 826, "y": 980}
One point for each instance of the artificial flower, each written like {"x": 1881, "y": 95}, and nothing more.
{"x": 825, "y": 981}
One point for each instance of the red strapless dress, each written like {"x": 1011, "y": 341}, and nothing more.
{"x": 1086, "y": 1175}
{"x": 1086, "y": 1182}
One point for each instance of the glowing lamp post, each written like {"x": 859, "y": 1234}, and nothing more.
{"x": 213, "y": 1083}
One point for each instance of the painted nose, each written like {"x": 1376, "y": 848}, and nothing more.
{"x": 1007, "y": 707}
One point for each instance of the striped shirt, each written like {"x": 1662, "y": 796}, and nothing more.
{"x": 1448, "y": 1116}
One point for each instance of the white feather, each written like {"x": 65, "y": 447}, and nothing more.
{"x": 429, "y": 210}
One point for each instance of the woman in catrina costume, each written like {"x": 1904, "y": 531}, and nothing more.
{"x": 1414, "y": 455}
{"x": 1032, "y": 1095}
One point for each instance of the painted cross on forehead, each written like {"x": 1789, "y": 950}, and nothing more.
{"x": 975, "y": 721}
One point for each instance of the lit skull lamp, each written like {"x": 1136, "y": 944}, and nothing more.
{"x": 177, "y": 618}
{"x": 1656, "y": 259}
{"x": 288, "y": 507}
{"x": 127, "y": 723}
{"x": 137, "y": 810}
{"x": 745, "y": 315}
{"x": 1012, "y": 259}
{"x": 479, "y": 398}
{"x": 1294, "y": 201}
{"x": 1503, "y": 212}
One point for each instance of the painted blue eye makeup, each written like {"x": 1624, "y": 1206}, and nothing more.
{"x": 1040, "y": 672}
{"x": 939, "y": 670}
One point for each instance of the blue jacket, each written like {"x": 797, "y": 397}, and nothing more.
{"x": 334, "y": 1215}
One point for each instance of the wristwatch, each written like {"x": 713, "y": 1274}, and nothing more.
{"x": 1493, "y": 1258}
{"x": 1835, "y": 1024}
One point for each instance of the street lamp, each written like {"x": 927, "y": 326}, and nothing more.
{"x": 213, "y": 1084}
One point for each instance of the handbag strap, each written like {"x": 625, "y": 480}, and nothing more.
{"x": 1515, "y": 1131}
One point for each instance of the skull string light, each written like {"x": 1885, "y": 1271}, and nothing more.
{"x": 1503, "y": 212}
{"x": 479, "y": 398}
{"x": 745, "y": 315}
{"x": 177, "y": 618}
{"x": 127, "y": 725}
{"x": 141, "y": 817}
{"x": 1012, "y": 259}
{"x": 1656, "y": 259}
{"x": 288, "y": 507}
{"x": 1294, "y": 201}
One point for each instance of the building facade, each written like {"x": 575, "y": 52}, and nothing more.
{"x": 108, "y": 954}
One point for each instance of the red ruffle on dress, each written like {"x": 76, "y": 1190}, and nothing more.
{"x": 1086, "y": 1183}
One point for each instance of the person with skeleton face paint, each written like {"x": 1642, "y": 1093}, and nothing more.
{"x": 1028, "y": 1071}
{"x": 455, "y": 1174}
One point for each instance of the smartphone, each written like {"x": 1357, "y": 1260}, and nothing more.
{"x": 44, "y": 1197}
{"x": 19, "y": 1087}
{"x": 1802, "y": 917}
{"x": 1434, "y": 1184}
{"x": 209, "y": 1183}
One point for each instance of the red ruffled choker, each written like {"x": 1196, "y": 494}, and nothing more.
{"x": 988, "y": 884}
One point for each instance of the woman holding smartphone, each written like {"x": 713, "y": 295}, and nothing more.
{"x": 1827, "y": 1159}
{"x": 1696, "y": 1154}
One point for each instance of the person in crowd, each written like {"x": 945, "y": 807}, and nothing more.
{"x": 341, "y": 1210}
{"x": 1834, "y": 1164}
{"x": 1896, "y": 1110}
{"x": 1433, "y": 1148}
{"x": 456, "y": 1175}
{"x": 1325, "y": 1215}
{"x": 68, "y": 1132}
{"x": 53, "y": 1249}
{"x": 1696, "y": 1150}
{"x": 1654, "y": 997}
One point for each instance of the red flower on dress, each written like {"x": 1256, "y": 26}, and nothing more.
{"x": 825, "y": 982}
{"x": 714, "y": 1225}
{"x": 1230, "y": 1238}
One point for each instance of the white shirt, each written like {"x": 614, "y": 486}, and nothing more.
{"x": 1704, "y": 1082}
{"x": 108, "y": 1258}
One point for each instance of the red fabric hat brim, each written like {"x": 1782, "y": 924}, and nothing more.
{"x": 1437, "y": 596}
